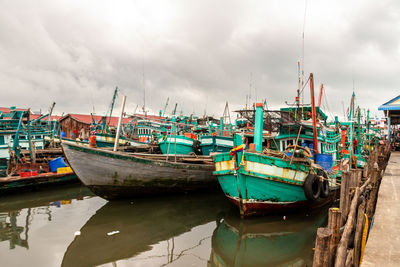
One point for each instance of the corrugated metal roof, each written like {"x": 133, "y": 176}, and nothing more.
{"x": 393, "y": 104}
{"x": 87, "y": 119}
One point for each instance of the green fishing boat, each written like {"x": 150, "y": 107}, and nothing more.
{"x": 178, "y": 144}
{"x": 264, "y": 181}
{"x": 213, "y": 143}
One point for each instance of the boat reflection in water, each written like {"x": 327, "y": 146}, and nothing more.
{"x": 14, "y": 208}
{"x": 266, "y": 241}
{"x": 141, "y": 225}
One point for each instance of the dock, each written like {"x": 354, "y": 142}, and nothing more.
{"x": 383, "y": 244}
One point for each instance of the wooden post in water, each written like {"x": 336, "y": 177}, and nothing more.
{"x": 334, "y": 223}
{"x": 344, "y": 195}
{"x": 119, "y": 123}
{"x": 322, "y": 244}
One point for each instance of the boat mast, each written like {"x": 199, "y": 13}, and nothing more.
{"x": 314, "y": 118}
{"x": 144, "y": 95}
{"x": 165, "y": 108}
{"x": 119, "y": 123}
{"x": 112, "y": 106}
{"x": 320, "y": 95}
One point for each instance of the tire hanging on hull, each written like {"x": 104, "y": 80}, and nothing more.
{"x": 312, "y": 188}
{"x": 324, "y": 184}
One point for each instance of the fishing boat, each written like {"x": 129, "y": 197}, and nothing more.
{"x": 31, "y": 161}
{"x": 179, "y": 144}
{"x": 264, "y": 181}
{"x": 19, "y": 132}
{"x": 33, "y": 180}
{"x": 215, "y": 144}
{"x": 115, "y": 175}
{"x": 217, "y": 141}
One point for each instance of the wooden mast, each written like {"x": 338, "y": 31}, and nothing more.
{"x": 320, "y": 95}
{"x": 314, "y": 118}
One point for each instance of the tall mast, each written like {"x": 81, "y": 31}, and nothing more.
{"x": 314, "y": 118}
{"x": 144, "y": 94}
{"x": 112, "y": 106}
{"x": 302, "y": 56}
{"x": 320, "y": 95}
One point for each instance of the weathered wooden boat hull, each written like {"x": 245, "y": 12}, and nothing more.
{"x": 116, "y": 175}
{"x": 17, "y": 184}
{"x": 264, "y": 184}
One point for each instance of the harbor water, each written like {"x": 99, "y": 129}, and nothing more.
{"x": 70, "y": 226}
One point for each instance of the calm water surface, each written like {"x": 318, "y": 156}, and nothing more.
{"x": 71, "y": 227}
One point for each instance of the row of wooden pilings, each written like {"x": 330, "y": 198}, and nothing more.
{"x": 342, "y": 242}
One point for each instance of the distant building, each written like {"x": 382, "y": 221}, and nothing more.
{"x": 77, "y": 125}
{"x": 392, "y": 113}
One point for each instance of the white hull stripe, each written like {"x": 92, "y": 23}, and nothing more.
{"x": 179, "y": 141}
{"x": 264, "y": 169}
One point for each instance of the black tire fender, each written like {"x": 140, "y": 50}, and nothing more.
{"x": 197, "y": 147}
{"x": 312, "y": 188}
{"x": 324, "y": 184}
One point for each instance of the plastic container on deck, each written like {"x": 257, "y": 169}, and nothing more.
{"x": 64, "y": 170}
{"x": 57, "y": 163}
{"x": 28, "y": 173}
{"x": 325, "y": 161}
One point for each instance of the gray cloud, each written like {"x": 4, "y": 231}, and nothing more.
{"x": 198, "y": 53}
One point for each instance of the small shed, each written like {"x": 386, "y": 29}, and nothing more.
{"x": 392, "y": 113}
{"x": 75, "y": 125}
{"x": 78, "y": 125}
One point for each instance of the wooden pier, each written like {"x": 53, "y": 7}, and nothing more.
{"x": 342, "y": 242}
{"x": 384, "y": 239}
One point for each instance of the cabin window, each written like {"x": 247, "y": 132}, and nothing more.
{"x": 2, "y": 140}
{"x": 289, "y": 142}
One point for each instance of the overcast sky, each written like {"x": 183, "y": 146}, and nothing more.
{"x": 200, "y": 54}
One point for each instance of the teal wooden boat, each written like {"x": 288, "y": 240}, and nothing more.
{"x": 18, "y": 132}
{"x": 259, "y": 182}
{"x": 211, "y": 144}
{"x": 178, "y": 144}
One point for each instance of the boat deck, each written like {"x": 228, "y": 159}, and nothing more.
{"x": 383, "y": 243}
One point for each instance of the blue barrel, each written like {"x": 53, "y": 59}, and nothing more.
{"x": 56, "y": 163}
{"x": 325, "y": 161}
